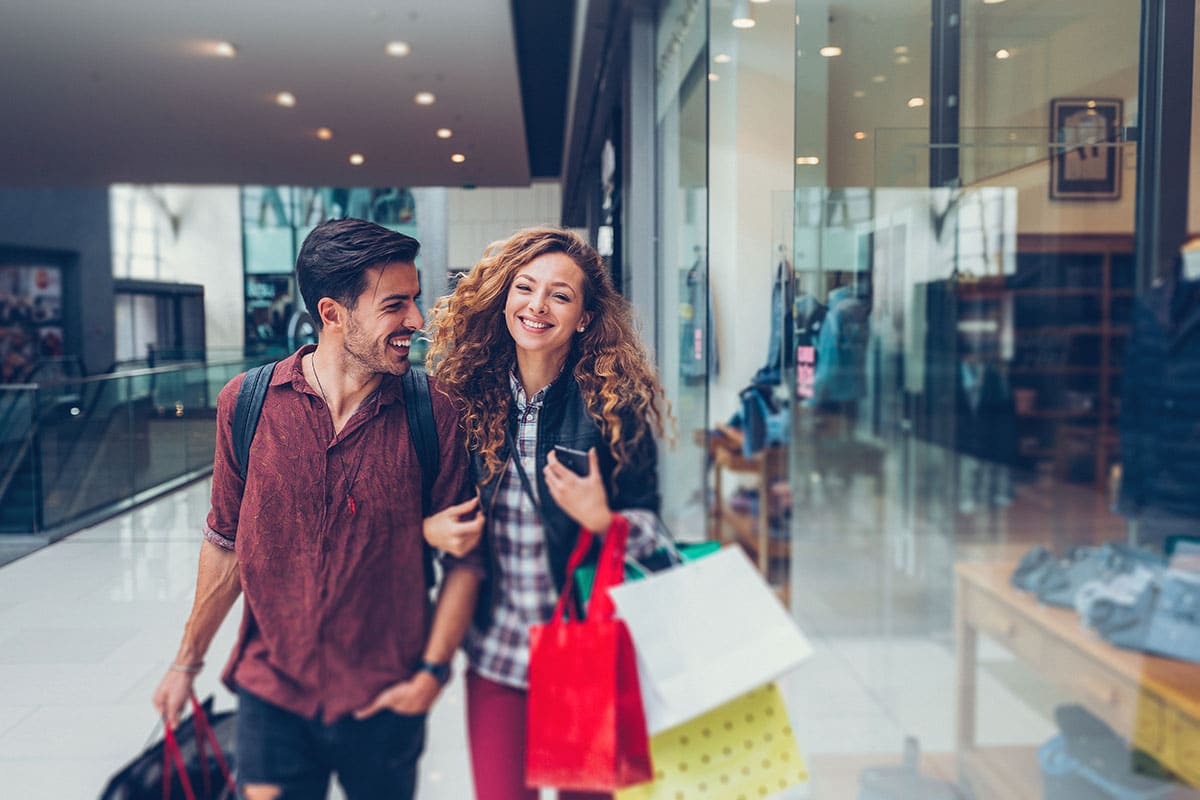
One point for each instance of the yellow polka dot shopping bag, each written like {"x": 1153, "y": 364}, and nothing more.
{"x": 743, "y": 750}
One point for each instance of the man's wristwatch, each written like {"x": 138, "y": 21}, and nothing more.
{"x": 441, "y": 672}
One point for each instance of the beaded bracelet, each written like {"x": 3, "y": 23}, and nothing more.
{"x": 187, "y": 669}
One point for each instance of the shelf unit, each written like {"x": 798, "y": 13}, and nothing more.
{"x": 751, "y": 531}
{"x": 1072, "y": 297}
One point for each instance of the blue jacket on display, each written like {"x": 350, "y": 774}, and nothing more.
{"x": 841, "y": 374}
{"x": 1160, "y": 408}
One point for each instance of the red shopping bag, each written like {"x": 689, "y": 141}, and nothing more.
{"x": 585, "y": 725}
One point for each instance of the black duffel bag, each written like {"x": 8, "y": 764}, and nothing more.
{"x": 200, "y": 755}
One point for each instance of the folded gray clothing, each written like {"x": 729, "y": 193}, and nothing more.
{"x": 1058, "y": 585}
{"x": 1164, "y": 619}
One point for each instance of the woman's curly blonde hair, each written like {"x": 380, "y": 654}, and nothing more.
{"x": 472, "y": 352}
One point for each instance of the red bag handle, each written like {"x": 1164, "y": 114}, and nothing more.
{"x": 610, "y": 571}
{"x": 204, "y": 732}
{"x": 173, "y": 758}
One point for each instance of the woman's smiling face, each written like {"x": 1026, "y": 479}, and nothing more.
{"x": 544, "y": 309}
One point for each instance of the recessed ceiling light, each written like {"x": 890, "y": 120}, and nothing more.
{"x": 860, "y": 135}
{"x": 712, "y": 76}
{"x": 1003, "y": 54}
{"x": 285, "y": 99}
{"x": 743, "y": 23}
{"x": 878, "y": 78}
{"x": 722, "y": 58}
{"x": 992, "y": 2}
{"x": 444, "y": 133}
{"x": 357, "y": 159}
{"x": 224, "y": 49}
{"x": 458, "y": 158}
{"x": 859, "y": 94}
{"x": 324, "y": 134}
{"x": 425, "y": 98}
{"x": 902, "y": 60}
{"x": 398, "y": 49}
{"x": 760, "y": 1}
{"x": 916, "y": 102}
{"x": 901, "y": 50}
{"x": 830, "y": 51}
{"x": 807, "y": 161}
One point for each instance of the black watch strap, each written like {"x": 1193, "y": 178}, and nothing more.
{"x": 439, "y": 671}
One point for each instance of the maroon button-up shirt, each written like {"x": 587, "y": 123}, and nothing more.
{"x": 335, "y": 605}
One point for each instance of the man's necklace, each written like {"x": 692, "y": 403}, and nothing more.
{"x": 349, "y": 478}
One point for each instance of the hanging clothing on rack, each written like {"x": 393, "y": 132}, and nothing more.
{"x": 842, "y": 347}
{"x": 1160, "y": 412}
{"x": 779, "y": 343}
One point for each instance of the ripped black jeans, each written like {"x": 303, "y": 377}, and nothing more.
{"x": 374, "y": 759}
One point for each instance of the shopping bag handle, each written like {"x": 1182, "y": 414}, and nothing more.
{"x": 204, "y": 732}
{"x": 610, "y": 571}
{"x": 173, "y": 759}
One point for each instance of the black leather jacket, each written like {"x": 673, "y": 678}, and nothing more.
{"x": 564, "y": 420}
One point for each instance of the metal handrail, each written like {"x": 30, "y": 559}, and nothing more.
{"x": 134, "y": 373}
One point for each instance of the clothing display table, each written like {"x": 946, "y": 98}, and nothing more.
{"x": 1152, "y": 702}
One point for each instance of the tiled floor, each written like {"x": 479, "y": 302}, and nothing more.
{"x": 88, "y": 624}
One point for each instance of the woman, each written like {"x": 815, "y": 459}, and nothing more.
{"x": 536, "y": 349}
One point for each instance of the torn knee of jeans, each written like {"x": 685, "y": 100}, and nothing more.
{"x": 261, "y": 791}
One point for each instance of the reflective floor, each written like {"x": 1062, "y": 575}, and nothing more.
{"x": 88, "y": 624}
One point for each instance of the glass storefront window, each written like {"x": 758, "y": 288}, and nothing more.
{"x": 970, "y": 469}
{"x": 687, "y": 357}
{"x": 275, "y": 220}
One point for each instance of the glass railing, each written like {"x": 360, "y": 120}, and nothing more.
{"x": 17, "y": 489}
{"x": 73, "y": 449}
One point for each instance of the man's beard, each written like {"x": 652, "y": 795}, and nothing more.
{"x": 365, "y": 352}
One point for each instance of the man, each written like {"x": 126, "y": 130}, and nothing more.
{"x": 337, "y": 660}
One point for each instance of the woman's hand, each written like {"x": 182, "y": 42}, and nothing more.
{"x": 582, "y": 498}
{"x": 456, "y": 529}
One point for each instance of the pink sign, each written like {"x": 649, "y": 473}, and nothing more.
{"x": 806, "y": 370}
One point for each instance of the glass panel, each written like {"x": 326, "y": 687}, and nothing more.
{"x": 99, "y": 441}
{"x": 969, "y": 379}
{"x": 685, "y": 354}
{"x": 83, "y": 447}
{"x": 18, "y": 479}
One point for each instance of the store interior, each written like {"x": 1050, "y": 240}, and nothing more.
{"x": 942, "y": 383}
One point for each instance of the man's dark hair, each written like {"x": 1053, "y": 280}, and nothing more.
{"x": 335, "y": 257}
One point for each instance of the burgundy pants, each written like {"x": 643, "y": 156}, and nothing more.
{"x": 496, "y": 729}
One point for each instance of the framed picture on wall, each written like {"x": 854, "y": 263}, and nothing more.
{"x": 1085, "y": 148}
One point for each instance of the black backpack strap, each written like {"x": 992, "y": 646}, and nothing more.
{"x": 423, "y": 430}
{"x": 247, "y": 411}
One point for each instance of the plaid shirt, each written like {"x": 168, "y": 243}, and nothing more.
{"x": 527, "y": 591}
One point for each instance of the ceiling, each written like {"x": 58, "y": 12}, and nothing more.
{"x": 130, "y": 91}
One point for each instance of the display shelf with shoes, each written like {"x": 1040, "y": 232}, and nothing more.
{"x": 750, "y": 526}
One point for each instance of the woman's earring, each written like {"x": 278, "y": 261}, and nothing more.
{"x": 581, "y": 328}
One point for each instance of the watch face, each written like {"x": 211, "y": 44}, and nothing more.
{"x": 439, "y": 671}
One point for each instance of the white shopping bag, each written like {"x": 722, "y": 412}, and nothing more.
{"x": 705, "y": 633}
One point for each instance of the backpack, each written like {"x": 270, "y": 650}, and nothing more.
{"x": 421, "y": 427}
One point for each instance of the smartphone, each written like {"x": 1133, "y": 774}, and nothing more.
{"x": 574, "y": 460}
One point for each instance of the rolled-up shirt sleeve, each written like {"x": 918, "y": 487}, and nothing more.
{"x": 220, "y": 528}
{"x": 647, "y": 532}
{"x": 453, "y": 484}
